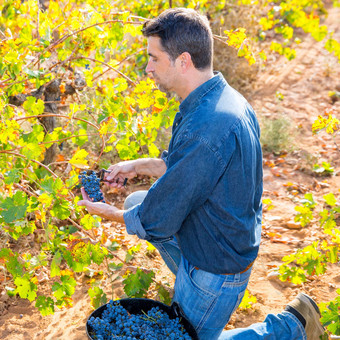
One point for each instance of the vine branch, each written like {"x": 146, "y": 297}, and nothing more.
{"x": 107, "y": 65}
{"x": 33, "y": 160}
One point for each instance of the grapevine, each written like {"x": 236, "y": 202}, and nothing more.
{"x": 73, "y": 94}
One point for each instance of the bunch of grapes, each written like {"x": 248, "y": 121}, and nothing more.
{"x": 91, "y": 185}
{"x": 116, "y": 323}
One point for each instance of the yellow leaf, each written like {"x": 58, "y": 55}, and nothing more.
{"x": 45, "y": 199}
{"x": 120, "y": 84}
{"x": 78, "y": 159}
{"x": 34, "y": 280}
{"x": 67, "y": 272}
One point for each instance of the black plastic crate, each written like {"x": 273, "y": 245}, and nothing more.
{"x": 138, "y": 305}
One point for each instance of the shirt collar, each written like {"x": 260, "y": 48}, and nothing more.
{"x": 193, "y": 99}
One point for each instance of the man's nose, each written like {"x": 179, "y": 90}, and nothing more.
{"x": 149, "y": 67}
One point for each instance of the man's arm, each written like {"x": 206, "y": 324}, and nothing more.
{"x": 129, "y": 169}
{"x": 120, "y": 171}
{"x": 101, "y": 209}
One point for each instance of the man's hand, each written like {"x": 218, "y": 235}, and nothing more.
{"x": 129, "y": 169}
{"x": 101, "y": 209}
{"x": 120, "y": 171}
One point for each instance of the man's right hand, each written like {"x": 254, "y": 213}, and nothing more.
{"x": 120, "y": 171}
{"x": 129, "y": 169}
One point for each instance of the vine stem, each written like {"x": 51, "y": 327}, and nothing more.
{"x": 126, "y": 58}
{"x": 33, "y": 160}
{"x": 107, "y": 65}
{"x": 20, "y": 187}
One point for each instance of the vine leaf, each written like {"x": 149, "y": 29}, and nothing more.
{"x": 45, "y": 305}
{"x": 26, "y": 288}
{"x": 14, "y": 208}
{"x": 65, "y": 288}
{"x": 55, "y": 269}
{"x": 137, "y": 285}
{"x": 79, "y": 160}
{"x": 11, "y": 261}
{"x": 98, "y": 297}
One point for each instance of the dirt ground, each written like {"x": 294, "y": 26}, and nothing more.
{"x": 304, "y": 84}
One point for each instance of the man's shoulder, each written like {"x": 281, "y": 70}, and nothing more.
{"x": 223, "y": 107}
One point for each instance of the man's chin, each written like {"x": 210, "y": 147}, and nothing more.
{"x": 163, "y": 88}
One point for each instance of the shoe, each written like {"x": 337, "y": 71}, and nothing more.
{"x": 308, "y": 309}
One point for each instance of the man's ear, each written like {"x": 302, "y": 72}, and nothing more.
{"x": 185, "y": 61}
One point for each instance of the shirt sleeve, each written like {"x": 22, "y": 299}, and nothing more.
{"x": 193, "y": 170}
{"x": 164, "y": 157}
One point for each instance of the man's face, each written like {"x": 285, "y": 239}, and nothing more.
{"x": 163, "y": 70}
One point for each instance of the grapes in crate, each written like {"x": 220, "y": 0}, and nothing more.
{"x": 117, "y": 323}
{"x": 91, "y": 184}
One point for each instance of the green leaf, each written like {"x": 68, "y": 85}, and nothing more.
{"x": 45, "y": 305}
{"x": 98, "y": 297}
{"x": 26, "y": 288}
{"x": 97, "y": 253}
{"x": 47, "y": 184}
{"x": 74, "y": 265}
{"x": 34, "y": 107}
{"x": 14, "y": 208}
{"x": 64, "y": 289}
{"x": 90, "y": 221}
{"x": 55, "y": 265}
{"x": 330, "y": 318}
{"x": 131, "y": 252}
{"x": 12, "y": 176}
{"x": 35, "y": 136}
{"x": 163, "y": 294}
{"x": 81, "y": 139}
{"x": 11, "y": 262}
{"x": 61, "y": 209}
{"x": 153, "y": 150}
{"x": 137, "y": 285}
{"x": 114, "y": 266}
{"x": 32, "y": 151}
{"x": 30, "y": 101}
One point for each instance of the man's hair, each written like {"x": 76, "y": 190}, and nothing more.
{"x": 183, "y": 30}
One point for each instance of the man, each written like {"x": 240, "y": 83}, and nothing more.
{"x": 203, "y": 214}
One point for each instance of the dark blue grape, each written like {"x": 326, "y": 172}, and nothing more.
{"x": 91, "y": 184}
{"x": 116, "y": 323}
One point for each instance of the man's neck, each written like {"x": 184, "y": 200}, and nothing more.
{"x": 192, "y": 81}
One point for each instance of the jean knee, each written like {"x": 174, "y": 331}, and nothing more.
{"x": 135, "y": 198}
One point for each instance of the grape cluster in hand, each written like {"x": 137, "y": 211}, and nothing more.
{"x": 116, "y": 323}
{"x": 91, "y": 185}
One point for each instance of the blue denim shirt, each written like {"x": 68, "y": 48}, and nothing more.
{"x": 210, "y": 194}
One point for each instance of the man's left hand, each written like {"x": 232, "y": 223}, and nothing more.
{"x": 101, "y": 209}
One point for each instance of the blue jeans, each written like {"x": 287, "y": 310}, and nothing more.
{"x": 208, "y": 300}
{"x": 283, "y": 326}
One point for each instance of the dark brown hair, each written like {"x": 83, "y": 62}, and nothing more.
{"x": 183, "y": 30}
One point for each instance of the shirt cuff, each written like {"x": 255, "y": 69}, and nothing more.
{"x": 133, "y": 224}
{"x": 164, "y": 157}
